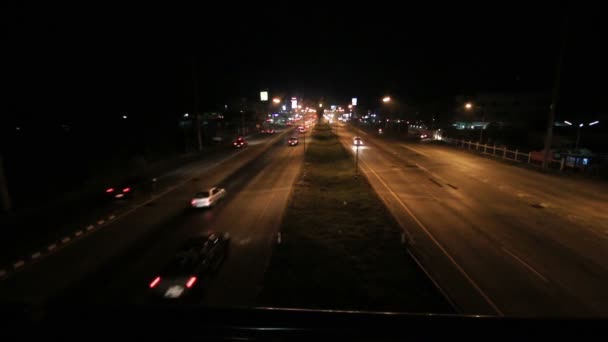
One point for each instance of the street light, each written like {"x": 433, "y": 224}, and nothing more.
{"x": 276, "y": 100}
{"x": 320, "y": 105}
{"x": 386, "y": 99}
{"x": 470, "y": 106}
{"x": 578, "y": 130}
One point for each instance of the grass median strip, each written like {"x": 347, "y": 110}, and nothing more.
{"x": 340, "y": 247}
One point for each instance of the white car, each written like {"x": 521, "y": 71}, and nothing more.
{"x": 207, "y": 198}
{"x": 357, "y": 141}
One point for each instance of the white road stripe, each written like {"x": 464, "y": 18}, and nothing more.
{"x": 36, "y": 255}
{"x": 18, "y": 264}
{"x": 91, "y": 227}
{"x": 66, "y": 239}
{"x": 112, "y": 217}
{"x": 51, "y": 247}
{"x": 100, "y": 222}
{"x": 78, "y": 233}
{"x": 526, "y": 265}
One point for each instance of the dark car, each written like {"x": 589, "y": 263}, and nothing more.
{"x": 292, "y": 141}
{"x": 121, "y": 191}
{"x": 196, "y": 259}
{"x": 240, "y": 142}
{"x": 268, "y": 131}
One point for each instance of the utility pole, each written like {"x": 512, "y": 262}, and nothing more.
{"x": 5, "y": 198}
{"x": 483, "y": 119}
{"x": 551, "y": 120}
{"x": 195, "y": 105}
{"x": 357, "y": 160}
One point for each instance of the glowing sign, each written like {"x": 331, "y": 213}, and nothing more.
{"x": 263, "y": 96}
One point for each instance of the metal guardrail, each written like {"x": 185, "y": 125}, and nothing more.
{"x": 504, "y": 153}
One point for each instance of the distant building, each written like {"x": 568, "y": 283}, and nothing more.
{"x": 502, "y": 108}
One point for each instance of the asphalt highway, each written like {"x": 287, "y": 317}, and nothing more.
{"x": 497, "y": 238}
{"x": 114, "y": 263}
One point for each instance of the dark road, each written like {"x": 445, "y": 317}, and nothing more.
{"x": 115, "y": 264}
{"x": 497, "y": 238}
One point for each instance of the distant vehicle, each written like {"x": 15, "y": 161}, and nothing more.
{"x": 268, "y": 131}
{"x": 207, "y": 198}
{"x": 196, "y": 259}
{"x": 301, "y": 129}
{"x": 357, "y": 141}
{"x": 240, "y": 142}
{"x": 380, "y": 131}
{"x": 292, "y": 141}
{"x": 122, "y": 191}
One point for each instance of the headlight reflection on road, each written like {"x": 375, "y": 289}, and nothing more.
{"x": 361, "y": 148}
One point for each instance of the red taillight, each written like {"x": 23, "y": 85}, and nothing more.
{"x": 191, "y": 282}
{"x": 126, "y": 189}
{"x": 155, "y": 282}
{"x": 110, "y": 190}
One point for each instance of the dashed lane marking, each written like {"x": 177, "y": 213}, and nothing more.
{"x": 65, "y": 239}
{"x": 52, "y": 247}
{"x": 18, "y": 264}
{"x": 36, "y": 255}
{"x": 78, "y": 233}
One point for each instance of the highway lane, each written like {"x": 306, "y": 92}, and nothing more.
{"x": 252, "y": 212}
{"x": 35, "y": 232}
{"x": 47, "y": 277}
{"x": 487, "y": 246}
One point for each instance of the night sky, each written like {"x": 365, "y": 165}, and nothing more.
{"x": 62, "y": 67}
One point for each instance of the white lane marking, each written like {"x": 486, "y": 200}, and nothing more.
{"x": 91, "y": 227}
{"x": 100, "y": 222}
{"x": 78, "y": 233}
{"x": 112, "y": 217}
{"x": 36, "y": 255}
{"x": 437, "y": 243}
{"x": 51, "y": 247}
{"x": 66, "y": 239}
{"x": 2, "y": 273}
{"x": 18, "y": 264}
{"x": 526, "y": 265}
